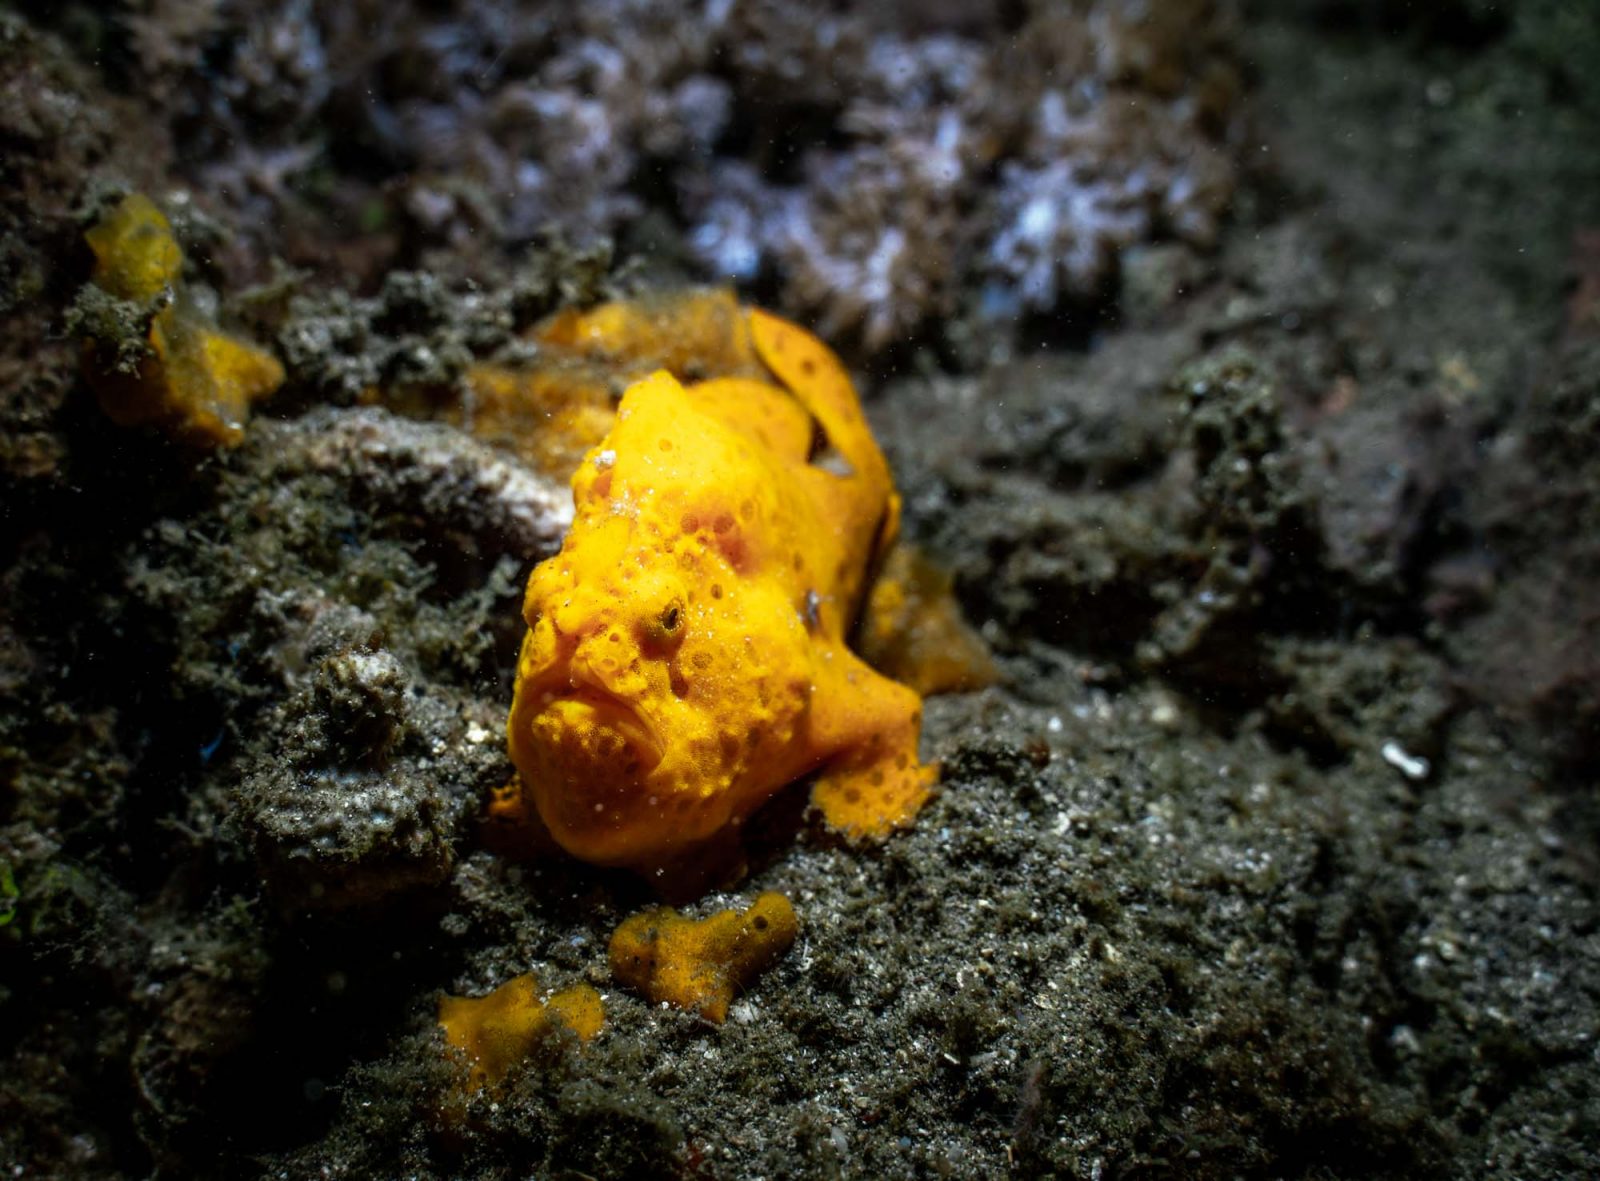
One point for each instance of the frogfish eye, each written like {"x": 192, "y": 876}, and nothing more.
{"x": 667, "y": 626}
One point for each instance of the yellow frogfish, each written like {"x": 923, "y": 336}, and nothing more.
{"x": 686, "y": 652}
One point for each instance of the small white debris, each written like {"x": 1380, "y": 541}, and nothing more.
{"x": 477, "y": 735}
{"x": 1053, "y": 725}
{"x": 1404, "y": 1039}
{"x": 1410, "y": 765}
{"x": 604, "y": 459}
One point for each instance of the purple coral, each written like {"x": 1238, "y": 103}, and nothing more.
{"x": 870, "y": 245}
{"x": 1059, "y": 228}
{"x": 1108, "y": 170}
{"x": 867, "y": 166}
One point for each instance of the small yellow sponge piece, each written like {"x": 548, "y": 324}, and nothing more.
{"x": 499, "y": 1030}
{"x": 699, "y": 964}
{"x": 194, "y": 381}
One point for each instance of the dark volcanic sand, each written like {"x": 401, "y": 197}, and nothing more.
{"x": 1274, "y": 855}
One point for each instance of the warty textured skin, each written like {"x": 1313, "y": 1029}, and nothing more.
{"x": 686, "y": 654}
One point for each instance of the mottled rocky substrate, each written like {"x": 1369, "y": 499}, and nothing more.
{"x": 1274, "y": 854}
